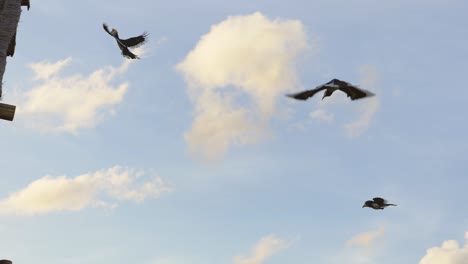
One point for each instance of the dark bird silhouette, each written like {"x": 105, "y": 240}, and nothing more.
{"x": 330, "y": 87}
{"x": 5, "y": 261}
{"x": 124, "y": 44}
{"x": 377, "y": 203}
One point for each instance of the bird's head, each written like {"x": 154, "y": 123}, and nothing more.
{"x": 367, "y": 204}
{"x": 327, "y": 92}
{"x": 114, "y": 32}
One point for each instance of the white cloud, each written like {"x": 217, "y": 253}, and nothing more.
{"x": 44, "y": 70}
{"x": 369, "y": 79}
{"x": 219, "y": 125}
{"x": 265, "y": 248}
{"x": 243, "y": 57}
{"x": 69, "y": 103}
{"x": 365, "y": 239}
{"x": 363, "y": 248}
{"x": 449, "y": 253}
{"x": 322, "y": 116}
{"x": 49, "y": 194}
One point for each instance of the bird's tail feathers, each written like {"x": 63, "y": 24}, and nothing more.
{"x": 295, "y": 96}
{"x": 368, "y": 93}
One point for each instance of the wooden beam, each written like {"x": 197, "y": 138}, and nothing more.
{"x": 7, "y": 112}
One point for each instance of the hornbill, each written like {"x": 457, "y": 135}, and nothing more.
{"x": 377, "y": 203}
{"x": 330, "y": 87}
{"x": 124, "y": 44}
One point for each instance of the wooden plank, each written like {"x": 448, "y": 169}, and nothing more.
{"x": 7, "y": 112}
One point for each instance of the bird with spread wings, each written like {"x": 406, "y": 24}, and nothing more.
{"x": 124, "y": 44}
{"x": 377, "y": 203}
{"x": 330, "y": 87}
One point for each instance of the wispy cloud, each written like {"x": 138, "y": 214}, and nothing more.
{"x": 265, "y": 248}
{"x": 322, "y": 115}
{"x": 363, "y": 248}
{"x": 234, "y": 75}
{"x": 449, "y": 253}
{"x": 366, "y": 239}
{"x": 62, "y": 193}
{"x": 69, "y": 103}
{"x": 371, "y": 105}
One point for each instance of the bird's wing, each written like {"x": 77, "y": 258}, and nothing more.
{"x": 306, "y": 94}
{"x": 379, "y": 200}
{"x": 135, "y": 41}
{"x": 355, "y": 92}
{"x": 127, "y": 53}
{"x": 104, "y": 25}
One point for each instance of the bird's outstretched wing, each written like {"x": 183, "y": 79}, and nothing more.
{"x": 135, "y": 41}
{"x": 379, "y": 200}
{"x": 106, "y": 28}
{"x": 306, "y": 94}
{"x": 126, "y": 52}
{"x": 355, "y": 92}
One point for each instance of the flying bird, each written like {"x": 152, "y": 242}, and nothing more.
{"x": 377, "y": 203}
{"x": 330, "y": 87}
{"x": 124, "y": 44}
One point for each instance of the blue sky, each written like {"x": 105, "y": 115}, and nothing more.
{"x": 176, "y": 158}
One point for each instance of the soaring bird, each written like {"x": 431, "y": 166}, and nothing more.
{"x": 377, "y": 203}
{"x": 124, "y": 44}
{"x": 330, "y": 87}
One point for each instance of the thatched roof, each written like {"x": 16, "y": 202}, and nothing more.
{"x": 11, "y": 47}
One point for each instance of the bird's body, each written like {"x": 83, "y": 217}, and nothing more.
{"x": 124, "y": 44}
{"x": 330, "y": 87}
{"x": 377, "y": 203}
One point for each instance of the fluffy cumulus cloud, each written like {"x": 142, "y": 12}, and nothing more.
{"x": 69, "y": 103}
{"x": 62, "y": 193}
{"x": 365, "y": 239}
{"x": 370, "y": 106}
{"x": 235, "y": 74}
{"x": 265, "y": 248}
{"x": 449, "y": 253}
